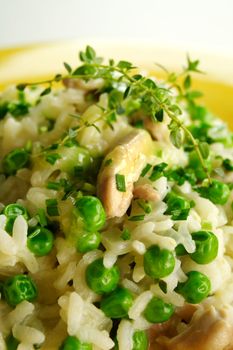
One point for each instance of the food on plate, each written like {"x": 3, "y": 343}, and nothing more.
{"x": 116, "y": 214}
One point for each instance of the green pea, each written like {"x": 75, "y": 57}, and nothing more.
{"x": 180, "y": 250}
{"x": 74, "y": 160}
{"x": 73, "y": 343}
{"x": 101, "y": 279}
{"x": 218, "y": 192}
{"x": 158, "y": 263}
{"x": 92, "y": 212}
{"x": 157, "y": 311}
{"x": 206, "y": 247}
{"x": 12, "y": 211}
{"x": 88, "y": 241}
{"x": 195, "y": 164}
{"x": 177, "y": 206}
{"x": 15, "y": 160}
{"x": 196, "y": 288}
{"x": 40, "y": 241}
{"x": 18, "y": 288}
{"x": 11, "y": 342}
{"x": 117, "y": 304}
{"x": 140, "y": 340}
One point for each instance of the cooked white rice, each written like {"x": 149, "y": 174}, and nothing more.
{"x": 66, "y": 305}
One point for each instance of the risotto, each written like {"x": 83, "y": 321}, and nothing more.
{"x": 116, "y": 215}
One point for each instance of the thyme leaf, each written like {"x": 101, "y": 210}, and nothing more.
{"x": 124, "y": 88}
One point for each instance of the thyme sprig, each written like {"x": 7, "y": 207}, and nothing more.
{"x": 124, "y": 88}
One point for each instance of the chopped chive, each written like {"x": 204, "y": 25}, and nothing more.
{"x": 145, "y": 169}
{"x": 159, "y": 153}
{"x": 120, "y": 182}
{"x": 137, "y": 218}
{"x": 41, "y": 217}
{"x": 126, "y": 234}
{"x": 206, "y": 225}
{"x": 108, "y": 162}
{"x": 28, "y": 146}
{"x": 157, "y": 171}
{"x": 53, "y": 186}
{"x": 43, "y": 129}
{"x": 52, "y": 158}
{"x": 51, "y": 205}
{"x": 139, "y": 124}
{"x": 66, "y": 184}
{"x": 17, "y": 159}
{"x": 18, "y": 109}
{"x": 87, "y": 187}
{"x": 145, "y": 206}
{"x": 227, "y": 164}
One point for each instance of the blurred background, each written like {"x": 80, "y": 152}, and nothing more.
{"x": 189, "y": 24}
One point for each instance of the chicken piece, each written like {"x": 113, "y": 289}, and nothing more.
{"x": 158, "y": 330}
{"x": 146, "y": 192}
{"x": 169, "y": 328}
{"x": 210, "y": 331}
{"x": 186, "y": 312}
{"x": 128, "y": 158}
{"x": 158, "y": 131}
{"x": 92, "y": 84}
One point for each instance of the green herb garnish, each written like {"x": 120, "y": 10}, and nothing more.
{"x": 145, "y": 205}
{"x": 120, "y": 182}
{"x": 108, "y": 162}
{"x": 126, "y": 235}
{"x": 52, "y": 207}
{"x": 41, "y": 217}
{"x": 146, "y": 169}
{"x": 137, "y": 218}
{"x": 153, "y": 99}
{"x": 228, "y": 164}
{"x": 52, "y": 158}
{"x": 53, "y": 185}
{"x": 177, "y": 206}
{"x": 157, "y": 171}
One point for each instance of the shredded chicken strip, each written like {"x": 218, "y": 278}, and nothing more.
{"x": 146, "y": 192}
{"x": 158, "y": 131}
{"x": 128, "y": 158}
{"x": 209, "y": 331}
{"x": 169, "y": 328}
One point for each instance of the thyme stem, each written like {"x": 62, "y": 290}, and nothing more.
{"x": 138, "y": 85}
{"x": 192, "y": 139}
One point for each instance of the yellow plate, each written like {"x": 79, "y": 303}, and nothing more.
{"x": 35, "y": 62}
